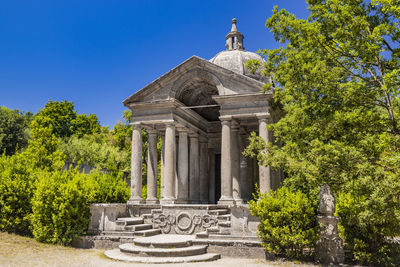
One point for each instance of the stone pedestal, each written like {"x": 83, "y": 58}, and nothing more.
{"x": 329, "y": 247}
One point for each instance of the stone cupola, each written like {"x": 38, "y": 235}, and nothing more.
{"x": 235, "y": 57}
{"x": 234, "y": 39}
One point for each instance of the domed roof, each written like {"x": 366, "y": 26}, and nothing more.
{"x": 235, "y": 60}
{"x": 235, "y": 57}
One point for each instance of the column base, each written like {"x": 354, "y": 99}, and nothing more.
{"x": 226, "y": 201}
{"x": 135, "y": 201}
{"x": 238, "y": 201}
{"x": 181, "y": 201}
{"x": 167, "y": 201}
{"x": 152, "y": 201}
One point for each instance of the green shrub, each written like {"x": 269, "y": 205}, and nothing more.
{"x": 16, "y": 189}
{"x": 60, "y": 204}
{"x": 108, "y": 187}
{"x": 365, "y": 230}
{"x": 287, "y": 222}
{"x": 60, "y": 207}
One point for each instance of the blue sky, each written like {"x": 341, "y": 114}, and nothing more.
{"x": 97, "y": 53}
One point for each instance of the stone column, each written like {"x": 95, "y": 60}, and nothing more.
{"x": 203, "y": 171}
{"x": 176, "y": 181}
{"x": 136, "y": 166}
{"x": 226, "y": 164}
{"x": 211, "y": 176}
{"x": 194, "y": 190}
{"x": 264, "y": 171}
{"x": 169, "y": 165}
{"x": 235, "y": 150}
{"x": 152, "y": 168}
{"x": 245, "y": 178}
{"x": 183, "y": 167}
{"x": 162, "y": 165}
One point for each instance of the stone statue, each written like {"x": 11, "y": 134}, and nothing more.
{"x": 329, "y": 248}
{"x": 326, "y": 201}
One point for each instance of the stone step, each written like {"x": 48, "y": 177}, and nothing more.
{"x": 233, "y": 238}
{"x": 148, "y": 232}
{"x": 212, "y": 230}
{"x": 227, "y": 241}
{"x": 202, "y": 235}
{"x": 165, "y": 241}
{"x": 138, "y": 227}
{"x": 218, "y": 212}
{"x": 163, "y": 252}
{"x": 147, "y": 216}
{"x": 217, "y": 207}
{"x": 156, "y": 211}
{"x": 224, "y": 231}
{"x": 141, "y": 233}
{"x": 129, "y": 221}
{"x": 224, "y": 224}
{"x": 116, "y": 254}
{"x": 225, "y": 217}
{"x": 118, "y": 233}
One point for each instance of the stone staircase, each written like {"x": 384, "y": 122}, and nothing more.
{"x": 132, "y": 227}
{"x": 223, "y": 227}
{"x": 162, "y": 249}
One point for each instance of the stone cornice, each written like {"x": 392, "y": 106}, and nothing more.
{"x": 184, "y": 67}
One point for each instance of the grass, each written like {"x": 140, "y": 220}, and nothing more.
{"x": 22, "y": 251}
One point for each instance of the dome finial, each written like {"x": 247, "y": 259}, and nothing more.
{"x": 234, "y": 39}
{"x": 234, "y": 29}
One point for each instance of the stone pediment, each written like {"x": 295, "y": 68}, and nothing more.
{"x": 192, "y": 76}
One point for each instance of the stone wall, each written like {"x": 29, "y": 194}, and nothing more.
{"x": 103, "y": 216}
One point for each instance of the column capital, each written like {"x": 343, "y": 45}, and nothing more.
{"x": 226, "y": 122}
{"x": 137, "y": 125}
{"x": 193, "y": 134}
{"x": 225, "y": 118}
{"x": 263, "y": 118}
{"x": 203, "y": 139}
{"x": 152, "y": 131}
{"x": 235, "y": 125}
{"x": 182, "y": 129}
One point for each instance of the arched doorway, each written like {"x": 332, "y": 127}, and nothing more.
{"x": 197, "y": 95}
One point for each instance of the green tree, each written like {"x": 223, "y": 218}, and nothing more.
{"x": 337, "y": 81}
{"x": 83, "y": 125}
{"x": 65, "y": 121}
{"x": 13, "y": 130}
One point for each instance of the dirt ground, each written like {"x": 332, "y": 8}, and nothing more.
{"x": 22, "y": 251}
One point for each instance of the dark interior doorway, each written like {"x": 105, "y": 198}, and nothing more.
{"x": 217, "y": 177}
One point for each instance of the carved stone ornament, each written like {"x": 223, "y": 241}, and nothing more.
{"x": 326, "y": 201}
{"x": 329, "y": 249}
{"x": 183, "y": 223}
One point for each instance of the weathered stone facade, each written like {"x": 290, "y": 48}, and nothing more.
{"x": 204, "y": 112}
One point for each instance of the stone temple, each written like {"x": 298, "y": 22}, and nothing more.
{"x": 203, "y": 111}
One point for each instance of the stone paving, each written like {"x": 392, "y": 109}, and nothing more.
{"x": 18, "y": 251}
